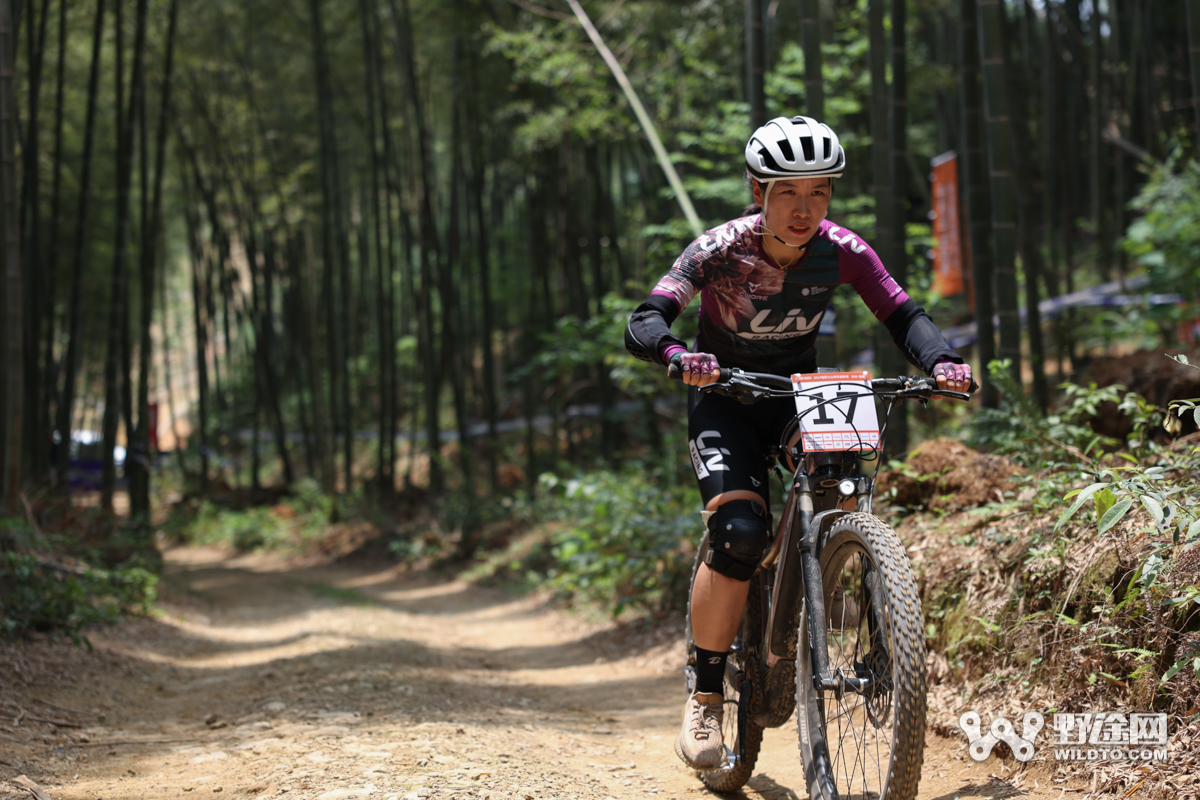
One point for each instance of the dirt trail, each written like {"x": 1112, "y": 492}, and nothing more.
{"x": 362, "y": 682}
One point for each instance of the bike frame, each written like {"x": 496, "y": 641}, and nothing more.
{"x": 795, "y": 561}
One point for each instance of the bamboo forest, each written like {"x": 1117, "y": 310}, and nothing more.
{"x": 349, "y": 279}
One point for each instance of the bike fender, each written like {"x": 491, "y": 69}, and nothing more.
{"x": 819, "y": 528}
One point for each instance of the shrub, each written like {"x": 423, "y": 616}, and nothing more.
{"x": 41, "y": 594}
{"x": 628, "y": 538}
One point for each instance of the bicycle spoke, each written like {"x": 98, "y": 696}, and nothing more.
{"x": 861, "y": 741}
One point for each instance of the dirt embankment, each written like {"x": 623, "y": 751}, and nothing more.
{"x": 323, "y": 682}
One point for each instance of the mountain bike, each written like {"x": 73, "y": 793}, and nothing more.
{"x": 832, "y": 627}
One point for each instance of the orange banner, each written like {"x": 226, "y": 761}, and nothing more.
{"x": 949, "y": 261}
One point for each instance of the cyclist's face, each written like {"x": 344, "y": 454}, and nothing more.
{"x": 796, "y": 208}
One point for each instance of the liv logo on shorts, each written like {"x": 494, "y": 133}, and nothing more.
{"x": 707, "y": 460}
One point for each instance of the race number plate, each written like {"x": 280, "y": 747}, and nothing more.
{"x": 836, "y": 410}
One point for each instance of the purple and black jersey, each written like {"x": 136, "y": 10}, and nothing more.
{"x": 761, "y": 318}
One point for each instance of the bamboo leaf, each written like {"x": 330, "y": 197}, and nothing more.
{"x": 1173, "y": 670}
{"x": 1149, "y": 571}
{"x": 1194, "y": 529}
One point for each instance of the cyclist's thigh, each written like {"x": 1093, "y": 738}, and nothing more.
{"x": 728, "y": 440}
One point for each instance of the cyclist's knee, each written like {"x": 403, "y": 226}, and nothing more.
{"x": 738, "y": 537}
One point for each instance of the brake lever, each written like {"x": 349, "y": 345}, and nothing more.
{"x": 953, "y": 395}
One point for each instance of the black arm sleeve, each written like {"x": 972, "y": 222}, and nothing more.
{"x": 649, "y": 329}
{"x": 918, "y": 338}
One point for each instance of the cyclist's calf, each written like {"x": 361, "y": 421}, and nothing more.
{"x": 738, "y": 536}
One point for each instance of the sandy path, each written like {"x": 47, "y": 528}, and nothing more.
{"x": 361, "y": 682}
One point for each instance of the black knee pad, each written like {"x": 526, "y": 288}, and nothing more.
{"x": 738, "y": 537}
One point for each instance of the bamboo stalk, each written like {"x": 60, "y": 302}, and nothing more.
{"x": 660, "y": 152}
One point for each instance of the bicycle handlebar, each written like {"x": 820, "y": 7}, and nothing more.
{"x": 736, "y": 381}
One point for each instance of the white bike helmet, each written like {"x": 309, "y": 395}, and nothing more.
{"x": 799, "y": 147}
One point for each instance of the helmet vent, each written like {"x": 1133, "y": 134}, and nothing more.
{"x": 767, "y": 161}
{"x": 785, "y": 147}
{"x": 828, "y": 149}
{"x": 806, "y": 143}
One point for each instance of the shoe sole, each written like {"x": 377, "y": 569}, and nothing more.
{"x": 695, "y": 766}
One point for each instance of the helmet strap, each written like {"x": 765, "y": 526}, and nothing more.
{"x": 763, "y": 229}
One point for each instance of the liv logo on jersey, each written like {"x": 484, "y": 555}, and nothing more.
{"x": 707, "y": 460}
{"x": 850, "y": 240}
{"x": 794, "y": 324}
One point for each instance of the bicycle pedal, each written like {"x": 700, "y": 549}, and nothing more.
{"x": 730, "y": 761}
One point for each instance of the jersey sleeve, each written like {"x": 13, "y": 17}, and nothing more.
{"x": 863, "y": 270}
{"x": 648, "y": 335}
{"x": 910, "y": 327}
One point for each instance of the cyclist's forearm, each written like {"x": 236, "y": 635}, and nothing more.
{"x": 648, "y": 334}
{"x": 919, "y": 338}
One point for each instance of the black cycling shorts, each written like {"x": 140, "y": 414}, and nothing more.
{"x": 729, "y": 441}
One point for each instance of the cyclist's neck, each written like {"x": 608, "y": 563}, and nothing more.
{"x": 782, "y": 254}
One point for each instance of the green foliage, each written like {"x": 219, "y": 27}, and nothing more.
{"x": 1133, "y": 326}
{"x": 1019, "y": 430}
{"x": 627, "y": 541}
{"x": 296, "y": 523}
{"x": 1126, "y": 623}
{"x": 1178, "y": 410}
{"x": 1065, "y": 444}
{"x": 42, "y": 594}
{"x": 1166, "y": 238}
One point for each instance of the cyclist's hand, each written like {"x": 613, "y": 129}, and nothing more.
{"x": 697, "y": 369}
{"x": 953, "y": 377}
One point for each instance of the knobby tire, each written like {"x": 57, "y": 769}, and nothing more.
{"x": 865, "y": 744}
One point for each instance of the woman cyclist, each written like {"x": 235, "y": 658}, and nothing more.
{"x": 764, "y": 282}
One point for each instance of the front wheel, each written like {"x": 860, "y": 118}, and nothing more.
{"x": 865, "y": 740}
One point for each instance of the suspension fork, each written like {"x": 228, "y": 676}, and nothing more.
{"x": 814, "y": 595}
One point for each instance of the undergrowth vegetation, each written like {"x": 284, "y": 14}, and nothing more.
{"x": 1088, "y": 573}
{"x": 59, "y": 583}
{"x": 296, "y": 522}
{"x": 625, "y": 540}
{"x": 617, "y": 540}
